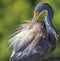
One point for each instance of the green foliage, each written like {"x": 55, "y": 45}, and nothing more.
{"x": 13, "y": 13}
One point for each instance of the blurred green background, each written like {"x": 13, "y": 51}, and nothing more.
{"x": 13, "y": 13}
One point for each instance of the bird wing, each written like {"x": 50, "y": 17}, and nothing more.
{"x": 22, "y": 38}
{"x": 35, "y": 41}
{"x": 31, "y": 50}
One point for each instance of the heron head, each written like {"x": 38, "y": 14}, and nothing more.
{"x": 41, "y": 7}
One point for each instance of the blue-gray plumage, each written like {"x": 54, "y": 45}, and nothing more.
{"x": 37, "y": 39}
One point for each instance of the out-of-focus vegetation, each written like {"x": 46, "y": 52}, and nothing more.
{"x": 13, "y": 13}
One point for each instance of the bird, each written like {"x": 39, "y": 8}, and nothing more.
{"x": 36, "y": 39}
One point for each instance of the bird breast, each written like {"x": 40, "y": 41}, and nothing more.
{"x": 38, "y": 26}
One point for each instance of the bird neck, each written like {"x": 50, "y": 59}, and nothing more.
{"x": 49, "y": 15}
{"x": 48, "y": 22}
{"x": 48, "y": 18}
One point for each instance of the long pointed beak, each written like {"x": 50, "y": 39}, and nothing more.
{"x": 36, "y": 16}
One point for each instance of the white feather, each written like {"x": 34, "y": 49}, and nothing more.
{"x": 21, "y": 38}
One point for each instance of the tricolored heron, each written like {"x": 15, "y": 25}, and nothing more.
{"x": 37, "y": 39}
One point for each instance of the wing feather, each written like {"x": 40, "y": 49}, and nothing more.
{"x": 22, "y": 38}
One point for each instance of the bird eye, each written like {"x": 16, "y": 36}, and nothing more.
{"x": 36, "y": 12}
